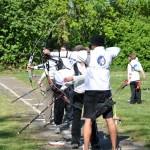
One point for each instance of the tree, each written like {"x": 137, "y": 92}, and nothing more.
{"x": 124, "y": 23}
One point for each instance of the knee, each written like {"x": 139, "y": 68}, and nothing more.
{"x": 110, "y": 121}
{"x": 88, "y": 121}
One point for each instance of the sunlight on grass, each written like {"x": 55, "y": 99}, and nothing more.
{"x": 135, "y": 118}
{"x": 9, "y": 126}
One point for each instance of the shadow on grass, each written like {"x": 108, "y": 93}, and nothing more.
{"x": 21, "y": 117}
{"x": 6, "y": 134}
{"x": 105, "y": 141}
{"x": 3, "y": 147}
{"x": 5, "y": 118}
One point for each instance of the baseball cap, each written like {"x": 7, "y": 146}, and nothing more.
{"x": 97, "y": 40}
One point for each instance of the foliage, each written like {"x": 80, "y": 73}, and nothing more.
{"x": 124, "y": 23}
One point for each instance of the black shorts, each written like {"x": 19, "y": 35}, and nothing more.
{"x": 92, "y": 99}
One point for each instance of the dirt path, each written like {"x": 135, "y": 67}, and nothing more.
{"x": 15, "y": 88}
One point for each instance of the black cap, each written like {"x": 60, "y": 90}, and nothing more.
{"x": 97, "y": 40}
{"x": 67, "y": 46}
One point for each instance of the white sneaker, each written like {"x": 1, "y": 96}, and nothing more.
{"x": 58, "y": 143}
{"x": 57, "y": 131}
{"x": 70, "y": 127}
{"x": 83, "y": 147}
{"x": 66, "y": 134}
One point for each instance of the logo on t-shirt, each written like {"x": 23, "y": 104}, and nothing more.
{"x": 135, "y": 67}
{"x": 101, "y": 60}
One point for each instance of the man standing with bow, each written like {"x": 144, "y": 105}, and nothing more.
{"x": 97, "y": 84}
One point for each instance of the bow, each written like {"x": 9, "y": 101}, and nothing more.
{"x": 31, "y": 76}
{"x": 57, "y": 92}
{"x": 29, "y": 70}
{"x": 31, "y": 57}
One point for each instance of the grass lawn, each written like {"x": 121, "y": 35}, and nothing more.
{"x": 135, "y": 118}
{"x": 10, "y": 124}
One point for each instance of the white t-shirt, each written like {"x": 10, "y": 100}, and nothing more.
{"x": 97, "y": 74}
{"x": 133, "y": 70}
{"x": 68, "y": 63}
{"x": 52, "y": 69}
{"x": 79, "y": 80}
{"x": 67, "y": 71}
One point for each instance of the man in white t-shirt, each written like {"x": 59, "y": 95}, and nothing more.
{"x": 134, "y": 67}
{"x": 97, "y": 84}
{"x": 49, "y": 71}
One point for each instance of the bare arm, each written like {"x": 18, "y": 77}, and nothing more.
{"x": 143, "y": 74}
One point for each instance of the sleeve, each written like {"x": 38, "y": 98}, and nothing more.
{"x": 81, "y": 56}
{"x": 52, "y": 63}
{"x": 114, "y": 51}
{"x": 43, "y": 76}
{"x": 140, "y": 66}
{"x": 129, "y": 69}
{"x": 78, "y": 78}
{"x": 41, "y": 66}
{"x": 63, "y": 54}
{"x": 78, "y": 56}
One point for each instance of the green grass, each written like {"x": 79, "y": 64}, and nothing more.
{"x": 135, "y": 118}
{"x": 10, "y": 123}
{"x": 23, "y": 75}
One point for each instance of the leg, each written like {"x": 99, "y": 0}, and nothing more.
{"x": 48, "y": 100}
{"x": 112, "y": 131}
{"x": 94, "y": 136}
{"x": 58, "y": 110}
{"x": 108, "y": 115}
{"x": 133, "y": 88}
{"x": 90, "y": 104}
{"x": 68, "y": 107}
{"x": 87, "y": 131}
{"x": 76, "y": 126}
{"x": 138, "y": 96}
{"x": 69, "y": 112}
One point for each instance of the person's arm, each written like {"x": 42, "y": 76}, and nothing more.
{"x": 74, "y": 78}
{"x": 78, "y": 78}
{"x": 38, "y": 67}
{"x": 129, "y": 69}
{"x": 114, "y": 51}
{"x": 141, "y": 70}
{"x": 143, "y": 73}
{"x": 41, "y": 66}
{"x": 75, "y": 55}
{"x": 43, "y": 76}
{"x": 63, "y": 54}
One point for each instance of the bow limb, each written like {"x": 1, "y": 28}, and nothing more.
{"x": 29, "y": 70}
{"x": 39, "y": 82}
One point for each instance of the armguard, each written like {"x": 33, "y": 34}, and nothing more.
{"x": 102, "y": 108}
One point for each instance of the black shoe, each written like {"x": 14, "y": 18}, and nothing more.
{"x": 95, "y": 146}
{"x": 75, "y": 146}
